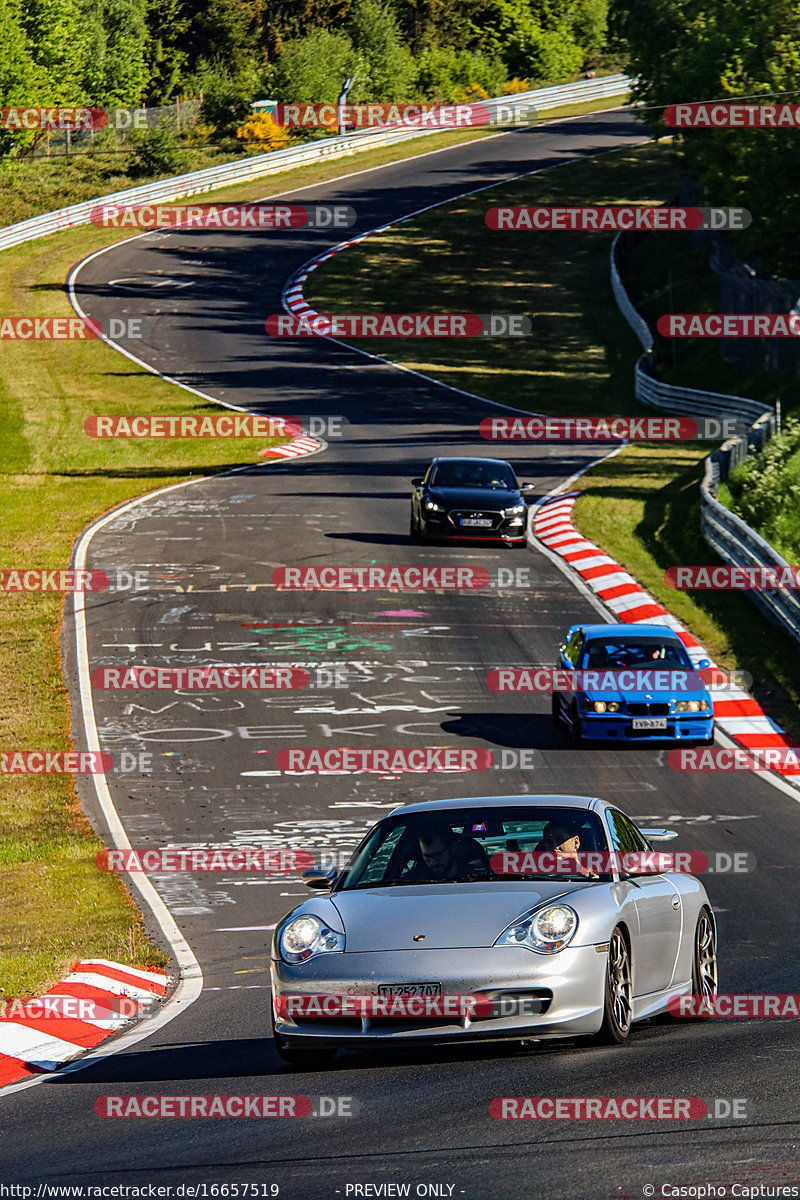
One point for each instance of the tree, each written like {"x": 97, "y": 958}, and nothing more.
{"x": 311, "y": 69}
{"x": 723, "y": 50}
{"x": 391, "y": 70}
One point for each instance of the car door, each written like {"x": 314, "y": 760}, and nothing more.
{"x": 569, "y": 655}
{"x": 659, "y": 912}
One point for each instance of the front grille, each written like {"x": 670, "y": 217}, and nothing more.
{"x": 648, "y": 710}
{"x": 457, "y": 514}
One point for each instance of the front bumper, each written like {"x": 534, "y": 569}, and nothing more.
{"x": 569, "y": 986}
{"x": 681, "y": 727}
{"x": 507, "y": 529}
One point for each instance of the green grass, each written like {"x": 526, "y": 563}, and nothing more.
{"x": 643, "y": 506}
{"x": 576, "y": 361}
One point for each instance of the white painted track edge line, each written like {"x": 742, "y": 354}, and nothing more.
{"x": 190, "y": 983}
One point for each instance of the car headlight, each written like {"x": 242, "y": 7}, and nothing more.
{"x": 432, "y": 506}
{"x": 515, "y": 511}
{"x": 304, "y": 937}
{"x": 547, "y": 931}
{"x": 601, "y": 706}
{"x": 692, "y": 706}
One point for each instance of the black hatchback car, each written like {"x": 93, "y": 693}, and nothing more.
{"x": 469, "y": 498}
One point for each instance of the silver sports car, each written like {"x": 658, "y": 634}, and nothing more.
{"x": 500, "y": 916}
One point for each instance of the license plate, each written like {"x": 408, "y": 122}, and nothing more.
{"x": 410, "y": 989}
{"x": 649, "y": 722}
{"x": 484, "y": 522}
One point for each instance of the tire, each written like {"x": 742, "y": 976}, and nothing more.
{"x": 618, "y": 993}
{"x": 555, "y": 709}
{"x": 413, "y": 526}
{"x": 575, "y": 735}
{"x": 705, "y": 979}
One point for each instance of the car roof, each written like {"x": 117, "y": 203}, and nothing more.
{"x": 471, "y": 458}
{"x": 484, "y": 802}
{"x": 635, "y": 630}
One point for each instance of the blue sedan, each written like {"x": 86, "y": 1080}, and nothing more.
{"x": 633, "y": 683}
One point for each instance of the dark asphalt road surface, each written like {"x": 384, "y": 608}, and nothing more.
{"x": 415, "y": 668}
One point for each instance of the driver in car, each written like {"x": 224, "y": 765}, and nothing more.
{"x": 444, "y": 855}
{"x": 565, "y": 843}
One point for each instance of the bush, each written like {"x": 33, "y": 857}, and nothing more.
{"x": 765, "y": 490}
{"x": 312, "y": 69}
{"x": 446, "y": 74}
{"x": 226, "y": 96}
{"x": 154, "y": 153}
{"x": 260, "y": 134}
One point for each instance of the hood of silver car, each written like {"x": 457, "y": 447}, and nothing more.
{"x": 441, "y": 916}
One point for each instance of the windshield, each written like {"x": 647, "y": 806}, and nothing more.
{"x": 471, "y": 844}
{"x": 473, "y": 473}
{"x": 634, "y": 653}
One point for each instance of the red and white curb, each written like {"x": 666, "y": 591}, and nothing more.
{"x": 293, "y": 449}
{"x": 31, "y": 1045}
{"x": 293, "y": 299}
{"x": 737, "y": 714}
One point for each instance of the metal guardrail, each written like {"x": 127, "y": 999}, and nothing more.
{"x": 740, "y": 546}
{"x": 261, "y": 165}
{"x": 659, "y": 394}
{"x": 732, "y": 538}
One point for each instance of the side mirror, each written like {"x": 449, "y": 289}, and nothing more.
{"x": 703, "y": 663}
{"x": 321, "y": 881}
{"x": 416, "y": 482}
{"x": 659, "y": 835}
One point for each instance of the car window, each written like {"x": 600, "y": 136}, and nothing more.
{"x": 486, "y": 844}
{"x": 625, "y": 653}
{"x": 473, "y": 473}
{"x": 625, "y": 837}
{"x": 573, "y": 647}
